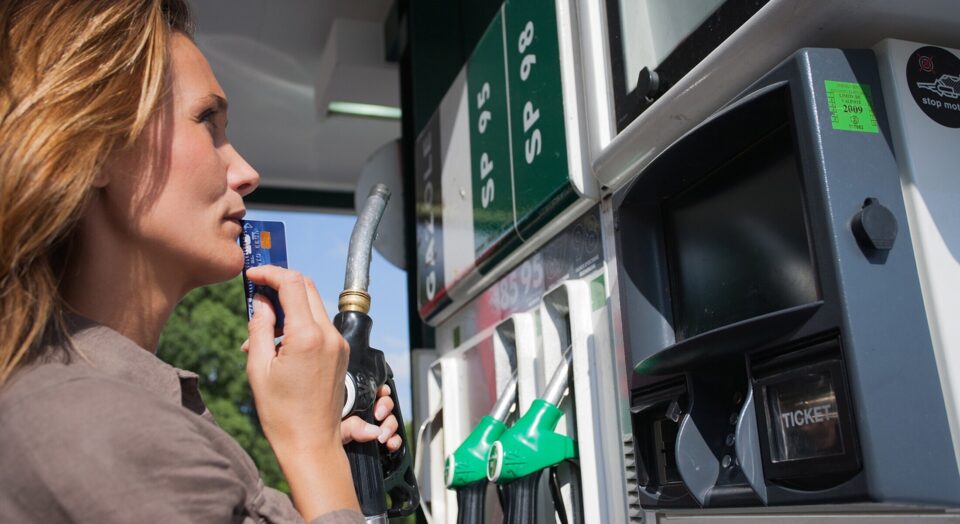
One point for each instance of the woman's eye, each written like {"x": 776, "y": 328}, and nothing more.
{"x": 210, "y": 118}
{"x": 207, "y": 118}
{"x": 215, "y": 119}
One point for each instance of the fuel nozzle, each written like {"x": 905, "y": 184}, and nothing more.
{"x": 531, "y": 444}
{"x": 377, "y": 472}
{"x": 354, "y": 296}
{"x": 367, "y": 368}
{"x": 468, "y": 464}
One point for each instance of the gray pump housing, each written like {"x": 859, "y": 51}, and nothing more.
{"x": 867, "y": 327}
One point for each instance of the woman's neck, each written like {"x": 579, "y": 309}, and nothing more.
{"x": 117, "y": 284}
{"x": 138, "y": 313}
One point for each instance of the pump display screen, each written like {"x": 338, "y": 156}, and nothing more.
{"x": 737, "y": 241}
{"x": 804, "y": 416}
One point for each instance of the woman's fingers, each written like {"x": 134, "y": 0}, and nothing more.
{"x": 291, "y": 288}
{"x": 298, "y": 386}
{"x": 394, "y": 443}
{"x": 260, "y": 348}
{"x": 382, "y": 411}
{"x": 316, "y": 303}
{"x": 355, "y": 429}
{"x": 389, "y": 427}
{"x": 382, "y": 408}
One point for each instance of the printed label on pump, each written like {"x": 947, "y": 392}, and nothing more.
{"x": 933, "y": 77}
{"x": 851, "y": 107}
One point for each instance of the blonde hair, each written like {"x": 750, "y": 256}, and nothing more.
{"x": 78, "y": 79}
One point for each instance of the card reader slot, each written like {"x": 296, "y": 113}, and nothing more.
{"x": 656, "y": 412}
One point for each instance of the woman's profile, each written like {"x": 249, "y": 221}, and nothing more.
{"x": 120, "y": 193}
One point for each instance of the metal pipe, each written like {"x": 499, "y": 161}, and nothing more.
{"x": 354, "y": 296}
{"x": 558, "y": 383}
{"x": 505, "y": 402}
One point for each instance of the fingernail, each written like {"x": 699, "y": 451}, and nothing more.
{"x": 383, "y": 437}
{"x": 380, "y": 413}
{"x": 373, "y": 431}
{"x": 258, "y": 301}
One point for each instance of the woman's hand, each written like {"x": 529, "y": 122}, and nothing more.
{"x": 299, "y": 392}
{"x": 298, "y": 385}
{"x": 355, "y": 429}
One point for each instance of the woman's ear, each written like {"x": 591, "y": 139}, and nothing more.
{"x": 101, "y": 179}
{"x": 121, "y": 160}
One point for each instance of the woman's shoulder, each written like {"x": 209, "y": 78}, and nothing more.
{"x": 77, "y": 436}
{"x": 56, "y": 396}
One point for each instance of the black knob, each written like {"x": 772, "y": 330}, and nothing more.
{"x": 648, "y": 84}
{"x": 875, "y": 226}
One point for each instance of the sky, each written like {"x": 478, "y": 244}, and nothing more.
{"x": 317, "y": 247}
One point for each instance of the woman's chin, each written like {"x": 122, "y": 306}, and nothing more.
{"x": 235, "y": 265}
{"x": 227, "y": 265}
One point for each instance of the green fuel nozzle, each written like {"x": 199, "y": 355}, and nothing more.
{"x": 531, "y": 444}
{"x": 468, "y": 464}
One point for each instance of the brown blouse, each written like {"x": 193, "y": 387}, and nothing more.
{"x": 114, "y": 434}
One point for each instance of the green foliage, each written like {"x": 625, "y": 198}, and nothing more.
{"x": 204, "y": 335}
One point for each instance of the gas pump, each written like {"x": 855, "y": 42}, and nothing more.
{"x": 567, "y": 407}
{"x": 481, "y": 376}
{"x": 775, "y": 312}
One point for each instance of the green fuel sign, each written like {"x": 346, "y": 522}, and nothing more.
{"x": 517, "y": 136}
{"x": 500, "y": 166}
{"x": 491, "y": 162}
{"x": 536, "y": 105}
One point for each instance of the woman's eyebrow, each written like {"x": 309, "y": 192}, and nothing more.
{"x": 219, "y": 103}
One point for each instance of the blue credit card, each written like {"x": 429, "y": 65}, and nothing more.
{"x": 264, "y": 243}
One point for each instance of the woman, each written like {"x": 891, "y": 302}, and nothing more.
{"x": 119, "y": 193}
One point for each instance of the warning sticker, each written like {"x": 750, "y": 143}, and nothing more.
{"x": 933, "y": 76}
{"x": 851, "y": 107}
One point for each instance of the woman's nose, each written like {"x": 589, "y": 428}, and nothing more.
{"x": 241, "y": 176}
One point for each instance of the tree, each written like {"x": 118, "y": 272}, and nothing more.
{"x": 204, "y": 335}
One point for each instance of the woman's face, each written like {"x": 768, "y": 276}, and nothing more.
{"x": 175, "y": 197}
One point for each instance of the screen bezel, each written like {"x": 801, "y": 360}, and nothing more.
{"x": 645, "y": 284}
{"x": 671, "y": 252}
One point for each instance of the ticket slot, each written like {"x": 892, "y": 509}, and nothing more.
{"x": 807, "y": 433}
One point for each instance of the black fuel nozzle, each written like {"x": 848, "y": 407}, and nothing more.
{"x": 518, "y": 460}
{"x": 465, "y": 470}
{"x": 377, "y": 472}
